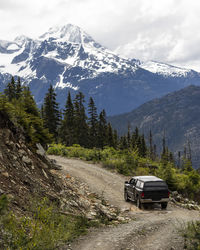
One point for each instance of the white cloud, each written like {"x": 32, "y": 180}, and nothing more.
{"x": 163, "y": 30}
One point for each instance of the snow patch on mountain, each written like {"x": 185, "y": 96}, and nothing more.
{"x": 4, "y": 43}
{"x": 13, "y": 47}
{"x": 164, "y": 69}
{"x": 61, "y": 84}
{"x": 6, "y": 65}
{"x": 26, "y": 72}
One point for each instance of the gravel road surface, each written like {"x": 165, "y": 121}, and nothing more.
{"x": 150, "y": 229}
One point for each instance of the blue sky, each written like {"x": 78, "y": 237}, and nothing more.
{"x": 161, "y": 30}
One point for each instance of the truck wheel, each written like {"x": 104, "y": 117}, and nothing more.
{"x": 138, "y": 203}
{"x": 126, "y": 196}
{"x": 164, "y": 205}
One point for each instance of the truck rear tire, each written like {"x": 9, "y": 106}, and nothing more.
{"x": 138, "y": 203}
{"x": 126, "y": 196}
{"x": 164, "y": 205}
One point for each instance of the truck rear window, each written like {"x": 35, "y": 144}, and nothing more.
{"x": 155, "y": 184}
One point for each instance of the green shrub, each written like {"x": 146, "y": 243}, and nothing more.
{"x": 3, "y": 204}
{"x": 191, "y": 234}
{"x": 45, "y": 228}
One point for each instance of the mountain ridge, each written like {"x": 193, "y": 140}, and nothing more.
{"x": 71, "y": 60}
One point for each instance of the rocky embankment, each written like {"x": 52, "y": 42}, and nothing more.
{"x": 180, "y": 201}
{"x": 26, "y": 173}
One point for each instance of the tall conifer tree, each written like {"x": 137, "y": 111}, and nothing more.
{"x": 10, "y": 90}
{"x": 80, "y": 118}
{"x": 51, "y": 112}
{"x": 110, "y": 136}
{"x": 68, "y": 123}
{"x": 18, "y": 88}
{"x": 32, "y": 122}
{"x": 93, "y": 123}
{"x": 102, "y": 130}
{"x": 129, "y": 136}
{"x": 143, "y": 146}
{"x": 151, "y": 145}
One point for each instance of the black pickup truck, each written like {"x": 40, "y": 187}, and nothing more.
{"x": 146, "y": 190}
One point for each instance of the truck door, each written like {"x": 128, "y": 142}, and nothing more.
{"x": 132, "y": 189}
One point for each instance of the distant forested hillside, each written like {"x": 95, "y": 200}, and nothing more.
{"x": 175, "y": 117}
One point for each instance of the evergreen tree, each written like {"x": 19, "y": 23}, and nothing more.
{"x": 18, "y": 88}
{"x": 179, "y": 160}
{"x": 93, "y": 123}
{"x": 10, "y": 90}
{"x": 171, "y": 157}
{"x": 110, "y": 136}
{"x": 23, "y": 109}
{"x": 102, "y": 130}
{"x": 143, "y": 149}
{"x": 115, "y": 139}
{"x": 51, "y": 112}
{"x": 134, "y": 138}
{"x": 187, "y": 159}
{"x": 29, "y": 104}
{"x": 185, "y": 153}
{"x": 139, "y": 145}
{"x": 154, "y": 151}
{"x": 129, "y": 136}
{"x": 28, "y": 116}
{"x": 165, "y": 152}
{"x": 151, "y": 145}
{"x": 187, "y": 165}
{"x": 189, "y": 156}
{"x": 80, "y": 118}
{"x": 68, "y": 123}
{"x": 42, "y": 111}
{"x": 123, "y": 144}
{"x": 163, "y": 146}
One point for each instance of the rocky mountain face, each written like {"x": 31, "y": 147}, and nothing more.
{"x": 70, "y": 59}
{"x": 177, "y": 115}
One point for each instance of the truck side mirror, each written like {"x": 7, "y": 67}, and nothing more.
{"x": 126, "y": 182}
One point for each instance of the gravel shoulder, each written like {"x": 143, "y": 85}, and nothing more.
{"x": 150, "y": 229}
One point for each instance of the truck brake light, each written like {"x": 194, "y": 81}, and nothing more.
{"x": 142, "y": 195}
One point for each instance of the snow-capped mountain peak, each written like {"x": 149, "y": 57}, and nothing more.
{"x": 67, "y": 33}
{"x": 69, "y": 58}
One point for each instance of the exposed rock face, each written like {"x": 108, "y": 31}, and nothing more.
{"x": 22, "y": 172}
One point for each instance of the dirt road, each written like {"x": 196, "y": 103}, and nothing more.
{"x": 150, "y": 229}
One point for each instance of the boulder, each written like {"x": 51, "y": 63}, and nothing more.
{"x": 40, "y": 150}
